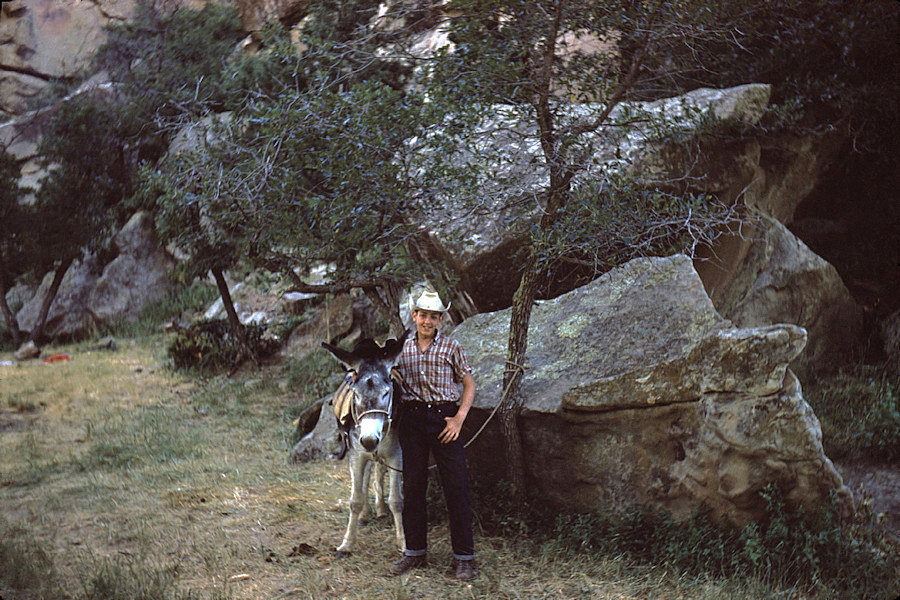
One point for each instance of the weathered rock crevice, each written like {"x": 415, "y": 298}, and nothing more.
{"x": 32, "y": 73}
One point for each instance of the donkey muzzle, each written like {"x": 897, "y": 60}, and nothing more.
{"x": 370, "y": 431}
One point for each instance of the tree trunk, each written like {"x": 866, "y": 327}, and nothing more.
{"x": 387, "y": 308}
{"x": 511, "y": 403}
{"x": 237, "y": 328}
{"x": 37, "y": 334}
{"x": 12, "y": 325}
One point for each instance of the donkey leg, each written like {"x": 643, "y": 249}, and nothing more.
{"x": 381, "y": 507}
{"x": 358, "y": 477}
{"x": 364, "y": 490}
{"x": 395, "y": 502}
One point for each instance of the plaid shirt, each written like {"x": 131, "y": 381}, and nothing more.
{"x": 435, "y": 374}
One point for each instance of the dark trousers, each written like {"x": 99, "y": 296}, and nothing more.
{"x": 419, "y": 429}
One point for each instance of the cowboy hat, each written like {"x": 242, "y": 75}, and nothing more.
{"x": 430, "y": 301}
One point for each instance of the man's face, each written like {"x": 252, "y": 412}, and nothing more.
{"x": 427, "y": 322}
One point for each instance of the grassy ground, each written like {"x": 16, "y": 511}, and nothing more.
{"x": 121, "y": 478}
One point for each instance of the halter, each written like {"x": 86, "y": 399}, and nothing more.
{"x": 390, "y": 409}
{"x": 390, "y": 421}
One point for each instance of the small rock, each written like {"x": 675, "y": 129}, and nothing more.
{"x": 26, "y": 351}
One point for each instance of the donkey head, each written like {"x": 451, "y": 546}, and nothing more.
{"x": 372, "y": 387}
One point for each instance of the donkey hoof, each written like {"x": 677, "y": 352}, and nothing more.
{"x": 341, "y": 553}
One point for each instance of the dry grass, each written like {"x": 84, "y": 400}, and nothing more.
{"x": 119, "y": 474}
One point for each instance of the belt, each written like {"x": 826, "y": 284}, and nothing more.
{"x": 427, "y": 404}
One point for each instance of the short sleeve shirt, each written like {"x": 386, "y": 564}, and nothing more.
{"x": 435, "y": 374}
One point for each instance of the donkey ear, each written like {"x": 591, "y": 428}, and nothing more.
{"x": 393, "y": 348}
{"x": 349, "y": 360}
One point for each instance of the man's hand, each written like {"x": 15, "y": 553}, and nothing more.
{"x": 451, "y": 431}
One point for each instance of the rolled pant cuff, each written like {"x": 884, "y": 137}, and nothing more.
{"x": 463, "y": 556}
{"x": 409, "y": 552}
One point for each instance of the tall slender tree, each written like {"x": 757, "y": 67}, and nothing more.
{"x": 556, "y": 70}
{"x": 16, "y": 222}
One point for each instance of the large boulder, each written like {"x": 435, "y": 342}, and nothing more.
{"x": 46, "y": 40}
{"x": 638, "y": 391}
{"x": 780, "y": 280}
{"x": 479, "y": 236}
{"x": 94, "y": 293}
{"x": 322, "y": 441}
{"x": 68, "y": 316}
{"x": 51, "y": 40}
{"x": 137, "y": 277}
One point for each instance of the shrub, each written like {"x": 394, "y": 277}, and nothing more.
{"x": 859, "y": 413}
{"x": 210, "y": 345}
{"x": 788, "y": 547}
{"x": 190, "y": 298}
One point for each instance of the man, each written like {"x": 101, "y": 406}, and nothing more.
{"x": 432, "y": 367}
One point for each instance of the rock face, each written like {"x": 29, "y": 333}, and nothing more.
{"x": 92, "y": 293}
{"x": 22, "y": 135}
{"x": 763, "y": 276}
{"x": 45, "y": 40}
{"x": 138, "y": 276}
{"x": 48, "y": 40}
{"x": 68, "y": 316}
{"x": 481, "y": 243}
{"x": 638, "y": 391}
{"x": 781, "y": 280}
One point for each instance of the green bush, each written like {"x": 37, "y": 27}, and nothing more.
{"x": 859, "y": 413}
{"x": 191, "y": 298}
{"x": 314, "y": 376}
{"x": 210, "y": 345}
{"x": 787, "y": 547}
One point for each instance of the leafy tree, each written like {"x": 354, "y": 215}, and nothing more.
{"x": 171, "y": 66}
{"x": 91, "y": 169}
{"x": 526, "y": 60}
{"x": 165, "y": 69}
{"x": 310, "y": 175}
{"x": 16, "y": 222}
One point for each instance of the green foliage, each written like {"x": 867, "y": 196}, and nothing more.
{"x": 172, "y": 66}
{"x": 859, "y": 412}
{"x": 87, "y": 145}
{"x": 312, "y": 377}
{"x": 189, "y": 299}
{"x": 787, "y": 548}
{"x": 210, "y": 345}
{"x": 311, "y": 178}
{"x": 17, "y": 222}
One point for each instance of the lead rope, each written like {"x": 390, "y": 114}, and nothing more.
{"x": 517, "y": 369}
